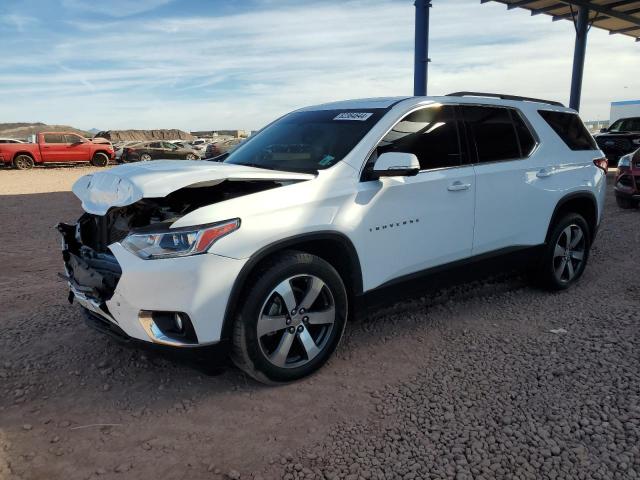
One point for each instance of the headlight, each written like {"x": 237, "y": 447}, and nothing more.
{"x": 179, "y": 242}
{"x": 625, "y": 161}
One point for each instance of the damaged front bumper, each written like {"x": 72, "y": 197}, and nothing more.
{"x": 131, "y": 298}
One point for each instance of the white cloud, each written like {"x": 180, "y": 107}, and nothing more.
{"x": 242, "y": 70}
{"x": 114, "y": 8}
{"x": 18, "y": 21}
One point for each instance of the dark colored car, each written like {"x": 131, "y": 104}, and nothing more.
{"x": 156, "y": 150}
{"x": 622, "y": 137}
{"x": 627, "y": 186}
{"x": 219, "y": 148}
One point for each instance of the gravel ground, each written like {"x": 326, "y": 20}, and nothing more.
{"x": 492, "y": 379}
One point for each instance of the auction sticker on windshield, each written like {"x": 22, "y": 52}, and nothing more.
{"x": 359, "y": 116}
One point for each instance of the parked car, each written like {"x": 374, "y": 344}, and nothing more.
{"x": 220, "y": 148}
{"x": 10, "y": 140}
{"x": 327, "y": 209}
{"x": 627, "y": 186}
{"x": 119, "y": 148}
{"x": 199, "y": 144}
{"x": 622, "y": 137}
{"x": 156, "y": 150}
{"x": 56, "y": 147}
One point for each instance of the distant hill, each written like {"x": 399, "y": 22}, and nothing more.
{"x": 22, "y": 130}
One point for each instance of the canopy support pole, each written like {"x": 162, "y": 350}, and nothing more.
{"x": 421, "y": 51}
{"x": 582, "y": 28}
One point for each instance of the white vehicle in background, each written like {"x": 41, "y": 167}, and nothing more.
{"x": 200, "y": 145}
{"x": 326, "y": 209}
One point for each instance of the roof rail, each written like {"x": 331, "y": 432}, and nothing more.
{"x": 503, "y": 97}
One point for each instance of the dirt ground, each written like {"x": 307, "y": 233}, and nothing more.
{"x": 487, "y": 380}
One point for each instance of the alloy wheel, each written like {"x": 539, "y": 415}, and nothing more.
{"x": 568, "y": 254}
{"x": 296, "y": 321}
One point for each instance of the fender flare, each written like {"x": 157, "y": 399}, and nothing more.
{"x": 28, "y": 153}
{"x": 284, "y": 244}
{"x": 567, "y": 198}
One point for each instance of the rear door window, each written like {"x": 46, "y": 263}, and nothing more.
{"x": 570, "y": 129}
{"x": 54, "y": 138}
{"x": 492, "y": 132}
{"x": 525, "y": 137}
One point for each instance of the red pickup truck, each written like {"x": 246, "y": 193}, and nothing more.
{"x": 56, "y": 147}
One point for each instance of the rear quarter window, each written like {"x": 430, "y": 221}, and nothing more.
{"x": 570, "y": 129}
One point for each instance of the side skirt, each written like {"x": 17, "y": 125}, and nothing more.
{"x": 511, "y": 259}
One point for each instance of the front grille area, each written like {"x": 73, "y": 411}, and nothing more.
{"x": 94, "y": 273}
{"x": 614, "y": 145}
{"x": 626, "y": 181}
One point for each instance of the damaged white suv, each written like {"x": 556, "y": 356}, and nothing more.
{"x": 273, "y": 249}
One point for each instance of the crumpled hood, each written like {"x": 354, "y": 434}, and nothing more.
{"x": 126, "y": 184}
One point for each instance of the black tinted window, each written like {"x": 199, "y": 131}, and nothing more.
{"x": 626, "y": 125}
{"x": 527, "y": 142}
{"x": 154, "y": 145}
{"x": 570, "y": 129}
{"x": 492, "y": 132}
{"x": 51, "y": 138}
{"x": 431, "y": 134}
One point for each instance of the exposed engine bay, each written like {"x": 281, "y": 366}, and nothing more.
{"x": 90, "y": 266}
{"x": 98, "y": 232}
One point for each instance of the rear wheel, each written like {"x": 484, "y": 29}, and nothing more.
{"x": 566, "y": 253}
{"x": 23, "y": 162}
{"x": 100, "y": 160}
{"x": 291, "y": 320}
{"x": 145, "y": 157}
{"x": 192, "y": 156}
{"x": 626, "y": 202}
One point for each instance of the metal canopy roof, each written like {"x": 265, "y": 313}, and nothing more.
{"x": 615, "y": 16}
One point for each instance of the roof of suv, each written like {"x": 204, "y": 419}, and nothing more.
{"x": 462, "y": 97}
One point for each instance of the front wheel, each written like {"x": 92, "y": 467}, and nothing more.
{"x": 566, "y": 253}
{"x": 292, "y": 317}
{"x": 145, "y": 157}
{"x": 100, "y": 160}
{"x": 192, "y": 156}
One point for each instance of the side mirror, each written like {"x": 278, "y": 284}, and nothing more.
{"x": 396, "y": 164}
{"x": 604, "y": 130}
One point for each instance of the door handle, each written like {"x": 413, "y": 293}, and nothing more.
{"x": 458, "y": 185}
{"x": 544, "y": 173}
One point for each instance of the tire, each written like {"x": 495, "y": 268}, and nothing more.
{"x": 626, "y": 202}
{"x": 100, "y": 160}
{"x": 562, "y": 266}
{"x": 23, "y": 162}
{"x": 274, "y": 339}
{"x": 145, "y": 157}
{"x": 192, "y": 156}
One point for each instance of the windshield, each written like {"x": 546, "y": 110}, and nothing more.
{"x": 626, "y": 125}
{"x": 306, "y": 141}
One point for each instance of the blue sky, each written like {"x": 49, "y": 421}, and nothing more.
{"x": 196, "y": 64}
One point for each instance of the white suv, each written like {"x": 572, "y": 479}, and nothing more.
{"x": 326, "y": 208}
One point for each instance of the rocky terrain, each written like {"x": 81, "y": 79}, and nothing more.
{"x": 488, "y": 380}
